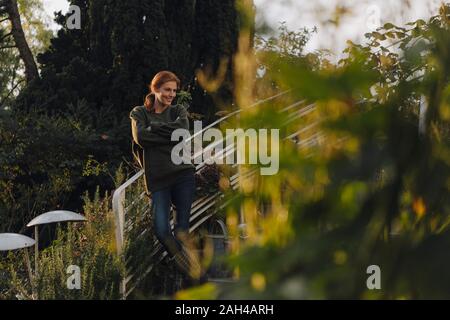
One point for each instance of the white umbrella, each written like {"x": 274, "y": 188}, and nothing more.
{"x": 51, "y": 217}
{"x": 14, "y": 241}
{"x": 56, "y": 216}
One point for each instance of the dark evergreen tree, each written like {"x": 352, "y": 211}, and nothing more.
{"x": 123, "y": 44}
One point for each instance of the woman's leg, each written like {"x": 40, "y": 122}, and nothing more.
{"x": 182, "y": 195}
{"x": 161, "y": 211}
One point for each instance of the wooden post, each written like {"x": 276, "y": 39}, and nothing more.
{"x": 36, "y": 249}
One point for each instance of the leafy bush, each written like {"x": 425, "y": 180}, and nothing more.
{"x": 89, "y": 245}
{"x": 373, "y": 191}
{"x": 47, "y": 161}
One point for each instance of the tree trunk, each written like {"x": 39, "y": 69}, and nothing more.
{"x": 31, "y": 70}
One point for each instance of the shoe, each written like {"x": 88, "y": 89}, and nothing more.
{"x": 188, "y": 264}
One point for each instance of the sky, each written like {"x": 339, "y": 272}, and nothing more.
{"x": 362, "y": 16}
{"x": 51, "y": 6}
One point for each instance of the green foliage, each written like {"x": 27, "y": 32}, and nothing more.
{"x": 89, "y": 245}
{"x": 35, "y": 24}
{"x": 373, "y": 191}
{"x": 290, "y": 45}
{"x": 37, "y": 33}
{"x": 287, "y": 43}
{"x": 46, "y": 160}
{"x": 184, "y": 98}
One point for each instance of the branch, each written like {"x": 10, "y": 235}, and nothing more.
{"x": 5, "y": 36}
{"x": 8, "y": 47}
{"x": 10, "y": 92}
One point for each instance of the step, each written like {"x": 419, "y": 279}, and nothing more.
{"x": 221, "y": 280}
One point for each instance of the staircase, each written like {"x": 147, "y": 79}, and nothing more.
{"x": 132, "y": 207}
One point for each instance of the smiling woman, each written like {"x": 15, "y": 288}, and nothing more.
{"x": 169, "y": 183}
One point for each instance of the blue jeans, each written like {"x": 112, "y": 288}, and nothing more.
{"x": 181, "y": 195}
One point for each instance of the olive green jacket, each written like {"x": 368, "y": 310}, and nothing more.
{"x": 152, "y": 145}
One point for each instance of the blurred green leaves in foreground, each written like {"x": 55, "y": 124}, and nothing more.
{"x": 374, "y": 190}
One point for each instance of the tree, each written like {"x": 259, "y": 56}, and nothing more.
{"x": 12, "y": 68}
{"x": 11, "y": 9}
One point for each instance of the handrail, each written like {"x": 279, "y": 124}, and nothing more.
{"x": 117, "y": 204}
{"x": 236, "y": 112}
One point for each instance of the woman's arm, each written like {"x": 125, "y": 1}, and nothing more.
{"x": 165, "y": 129}
{"x": 142, "y": 135}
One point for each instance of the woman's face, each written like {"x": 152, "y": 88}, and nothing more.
{"x": 166, "y": 93}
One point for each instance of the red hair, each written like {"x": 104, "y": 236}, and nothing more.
{"x": 158, "y": 80}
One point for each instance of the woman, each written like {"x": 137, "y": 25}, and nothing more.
{"x": 152, "y": 125}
